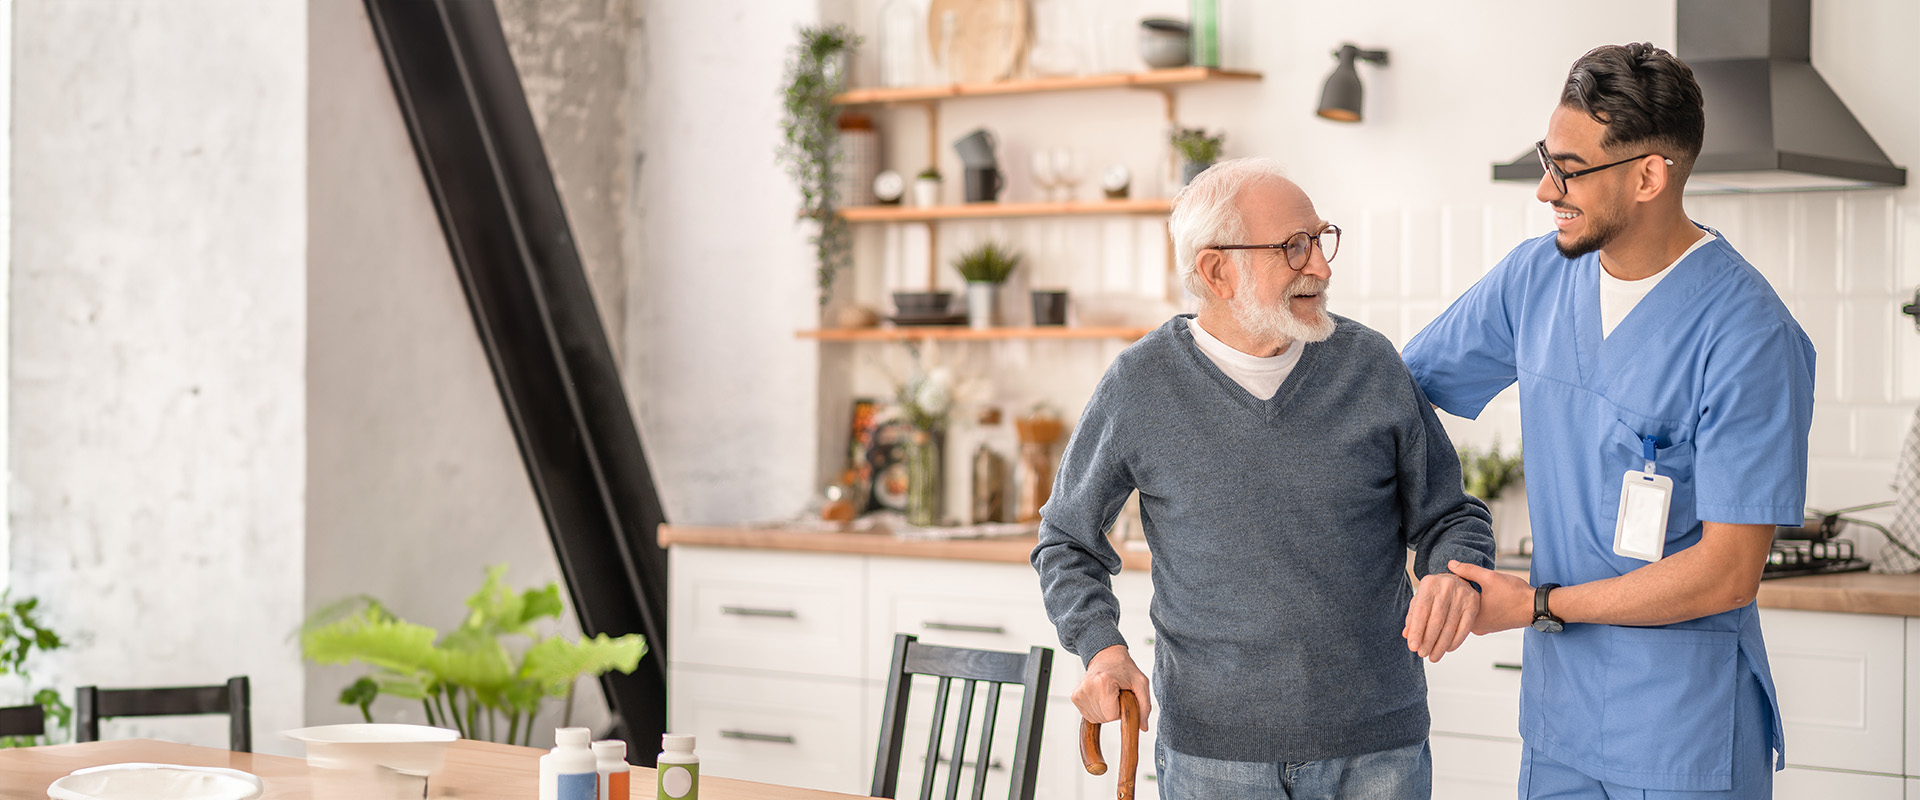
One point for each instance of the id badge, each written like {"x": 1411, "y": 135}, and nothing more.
{"x": 1641, "y": 529}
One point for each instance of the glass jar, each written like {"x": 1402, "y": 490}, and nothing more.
{"x": 925, "y": 481}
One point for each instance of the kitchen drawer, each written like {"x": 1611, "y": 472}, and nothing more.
{"x": 1841, "y": 679}
{"x": 1475, "y": 690}
{"x": 1060, "y": 768}
{"x": 786, "y": 612}
{"x": 1794, "y": 783}
{"x": 982, "y": 606}
{"x": 790, "y": 731}
{"x": 1470, "y": 768}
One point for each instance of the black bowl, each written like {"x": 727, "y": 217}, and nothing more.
{"x": 919, "y": 304}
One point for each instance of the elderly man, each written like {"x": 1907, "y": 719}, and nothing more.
{"x": 1286, "y": 462}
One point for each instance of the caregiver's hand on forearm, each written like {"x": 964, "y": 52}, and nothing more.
{"x": 1506, "y": 601}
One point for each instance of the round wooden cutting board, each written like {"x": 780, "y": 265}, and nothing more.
{"x": 988, "y": 38}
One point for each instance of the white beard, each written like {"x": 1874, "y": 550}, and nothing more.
{"x": 1279, "y": 322}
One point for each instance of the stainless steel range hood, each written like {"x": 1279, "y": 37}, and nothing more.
{"x": 1773, "y": 124}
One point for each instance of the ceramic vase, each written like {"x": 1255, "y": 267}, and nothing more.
{"x": 926, "y": 192}
{"x": 982, "y": 298}
{"x": 1192, "y": 169}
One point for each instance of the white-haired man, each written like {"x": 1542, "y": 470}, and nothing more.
{"x": 1286, "y": 462}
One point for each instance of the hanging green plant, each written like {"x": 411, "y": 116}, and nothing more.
{"x": 21, "y": 635}
{"x": 816, "y": 71}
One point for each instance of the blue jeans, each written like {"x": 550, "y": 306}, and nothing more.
{"x": 1402, "y": 774}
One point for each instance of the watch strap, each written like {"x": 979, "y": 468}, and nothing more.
{"x": 1540, "y": 610}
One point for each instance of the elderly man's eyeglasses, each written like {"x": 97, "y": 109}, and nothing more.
{"x": 1298, "y": 248}
{"x": 1560, "y": 176}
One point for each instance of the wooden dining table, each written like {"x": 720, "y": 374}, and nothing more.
{"x": 473, "y": 771}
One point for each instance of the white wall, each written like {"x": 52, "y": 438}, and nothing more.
{"x": 725, "y": 393}
{"x": 1469, "y": 84}
{"x": 158, "y": 318}
{"x": 415, "y": 483}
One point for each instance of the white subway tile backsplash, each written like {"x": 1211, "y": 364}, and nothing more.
{"x": 1420, "y": 253}
{"x": 1155, "y": 260}
{"x": 1867, "y": 266}
{"x": 1768, "y": 241}
{"x": 1881, "y": 432}
{"x": 1414, "y": 317}
{"x": 1379, "y": 255}
{"x": 1839, "y": 483}
{"x": 1509, "y": 225}
{"x": 1820, "y": 319}
{"x": 1866, "y": 349}
{"x": 1463, "y": 254}
{"x": 1832, "y": 432}
{"x": 1116, "y": 262}
{"x": 1907, "y": 243}
{"x": 1726, "y": 214}
{"x": 1907, "y": 369}
{"x": 1816, "y": 232}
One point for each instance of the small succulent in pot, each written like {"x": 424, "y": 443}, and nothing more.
{"x": 987, "y": 263}
{"x": 1197, "y": 151}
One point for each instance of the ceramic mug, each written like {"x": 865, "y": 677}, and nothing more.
{"x": 976, "y": 148}
{"x": 984, "y": 184}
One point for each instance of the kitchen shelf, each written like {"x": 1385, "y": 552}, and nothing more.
{"x": 1152, "y": 79}
{"x": 1152, "y": 206}
{"x": 963, "y": 333}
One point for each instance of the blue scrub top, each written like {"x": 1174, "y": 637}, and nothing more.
{"x": 1714, "y": 367}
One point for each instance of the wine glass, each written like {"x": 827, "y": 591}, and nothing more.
{"x": 1044, "y": 177}
{"x": 1068, "y": 169}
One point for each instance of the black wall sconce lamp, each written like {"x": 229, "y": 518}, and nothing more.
{"x": 1340, "y": 98}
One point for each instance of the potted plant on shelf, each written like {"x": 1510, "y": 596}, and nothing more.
{"x": 985, "y": 267}
{"x": 1197, "y": 151}
{"x": 926, "y": 188}
{"x": 21, "y": 635}
{"x": 496, "y": 666}
{"x": 816, "y": 71}
{"x": 1486, "y": 474}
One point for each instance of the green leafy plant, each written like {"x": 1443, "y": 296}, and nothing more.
{"x": 21, "y": 635}
{"x": 1196, "y": 146}
{"x": 815, "y": 74}
{"x": 987, "y": 263}
{"x": 1486, "y": 473}
{"x": 929, "y": 174}
{"x": 495, "y": 665}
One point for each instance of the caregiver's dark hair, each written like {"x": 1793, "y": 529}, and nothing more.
{"x": 1645, "y": 96}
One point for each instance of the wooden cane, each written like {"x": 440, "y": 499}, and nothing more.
{"x": 1129, "y": 745}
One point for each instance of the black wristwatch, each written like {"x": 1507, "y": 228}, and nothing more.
{"x": 1543, "y": 620}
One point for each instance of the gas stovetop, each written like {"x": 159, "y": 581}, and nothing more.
{"x": 1795, "y": 557}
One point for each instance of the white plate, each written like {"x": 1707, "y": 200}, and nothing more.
{"x": 412, "y": 749}
{"x": 155, "y": 782}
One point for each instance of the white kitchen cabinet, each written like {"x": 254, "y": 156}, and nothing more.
{"x": 1913, "y": 700}
{"x": 796, "y": 731}
{"x": 1475, "y": 690}
{"x": 1913, "y": 789}
{"x": 1797, "y": 783}
{"x": 792, "y": 613}
{"x": 962, "y": 604}
{"x": 1472, "y": 768}
{"x": 1841, "y": 681}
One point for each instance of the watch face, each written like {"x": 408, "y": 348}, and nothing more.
{"x": 888, "y": 186}
{"x": 1115, "y": 177}
{"x": 1547, "y": 625}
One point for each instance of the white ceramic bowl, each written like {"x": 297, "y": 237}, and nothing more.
{"x": 410, "y": 749}
{"x": 155, "y": 782}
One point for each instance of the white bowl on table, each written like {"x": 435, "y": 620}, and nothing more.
{"x": 155, "y": 782}
{"x": 408, "y": 749}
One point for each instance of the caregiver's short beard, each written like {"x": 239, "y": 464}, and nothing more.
{"x": 1602, "y": 233}
{"x": 1279, "y": 322}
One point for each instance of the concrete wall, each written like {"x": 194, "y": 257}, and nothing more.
{"x": 415, "y": 483}
{"x": 158, "y": 323}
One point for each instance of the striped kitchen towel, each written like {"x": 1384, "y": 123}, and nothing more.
{"x": 1906, "y": 506}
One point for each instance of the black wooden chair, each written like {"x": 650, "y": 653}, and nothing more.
{"x": 23, "y": 721}
{"x": 92, "y": 704}
{"x": 1031, "y": 670}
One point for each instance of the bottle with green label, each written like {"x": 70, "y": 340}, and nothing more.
{"x": 1205, "y": 32}
{"x": 677, "y": 768}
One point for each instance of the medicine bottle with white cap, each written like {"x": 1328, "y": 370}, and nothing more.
{"x": 678, "y": 768}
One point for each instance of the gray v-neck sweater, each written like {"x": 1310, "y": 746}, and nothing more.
{"x": 1279, "y": 530}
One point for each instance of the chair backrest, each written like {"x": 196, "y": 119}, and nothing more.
{"x": 1031, "y": 670}
{"x": 23, "y": 721}
{"x": 92, "y": 704}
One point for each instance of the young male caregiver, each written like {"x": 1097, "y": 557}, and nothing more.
{"x": 1654, "y": 362}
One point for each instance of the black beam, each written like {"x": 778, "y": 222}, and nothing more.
{"x": 484, "y": 166}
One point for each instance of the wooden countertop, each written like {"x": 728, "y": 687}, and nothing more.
{"x": 1854, "y": 592}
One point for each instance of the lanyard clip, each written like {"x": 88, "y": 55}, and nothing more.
{"x": 1646, "y": 452}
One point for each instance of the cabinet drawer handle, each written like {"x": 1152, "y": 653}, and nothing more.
{"x": 1505, "y": 665}
{"x": 750, "y": 736}
{"x": 955, "y": 626}
{"x": 992, "y": 766}
{"x": 748, "y": 611}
